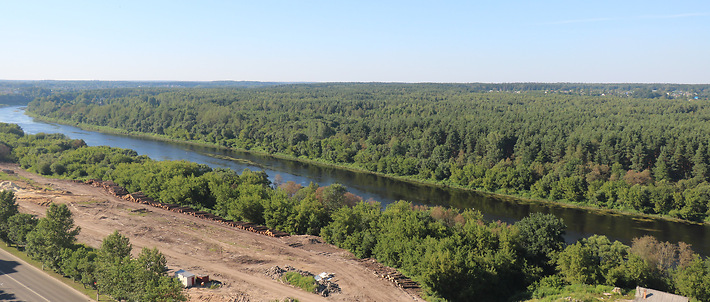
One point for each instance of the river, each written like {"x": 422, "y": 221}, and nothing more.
{"x": 581, "y": 223}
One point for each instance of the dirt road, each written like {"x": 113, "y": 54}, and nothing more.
{"x": 239, "y": 259}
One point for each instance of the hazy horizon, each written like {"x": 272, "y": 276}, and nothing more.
{"x": 348, "y": 82}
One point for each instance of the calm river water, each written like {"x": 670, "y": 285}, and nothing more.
{"x": 581, "y": 223}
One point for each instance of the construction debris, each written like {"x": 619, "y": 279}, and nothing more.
{"x": 325, "y": 286}
{"x": 10, "y": 186}
{"x": 324, "y": 276}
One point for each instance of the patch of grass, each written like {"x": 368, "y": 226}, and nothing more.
{"x": 5, "y": 176}
{"x": 307, "y": 283}
{"x": 91, "y": 293}
{"x": 287, "y": 299}
{"x": 579, "y": 292}
{"x": 214, "y": 248}
{"x": 215, "y": 285}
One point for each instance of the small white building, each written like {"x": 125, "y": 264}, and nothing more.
{"x": 652, "y": 295}
{"x": 186, "y": 278}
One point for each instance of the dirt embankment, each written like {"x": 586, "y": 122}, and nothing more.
{"x": 237, "y": 258}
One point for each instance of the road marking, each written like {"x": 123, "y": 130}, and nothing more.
{"x": 25, "y": 286}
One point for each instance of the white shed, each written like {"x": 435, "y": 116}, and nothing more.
{"x": 652, "y": 295}
{"x": 186, "y": 278}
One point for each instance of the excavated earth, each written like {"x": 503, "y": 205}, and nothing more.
{"x": 239, "y": 259}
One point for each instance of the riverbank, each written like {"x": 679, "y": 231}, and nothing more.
{"x": 428, "y": 183}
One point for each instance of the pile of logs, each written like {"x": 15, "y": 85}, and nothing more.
{"x": 392, "y": 275}
{"x": 140, "y": 197}
{"x": 109, "y": 186}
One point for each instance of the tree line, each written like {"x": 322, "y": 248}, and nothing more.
{"x": 631, "y": 154}
{"x": 454, "y": 254}
{"x": 637, "y": 90}
{"x": 111, "y": 269}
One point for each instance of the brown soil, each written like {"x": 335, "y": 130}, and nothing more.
{"x": 237, "y": 258}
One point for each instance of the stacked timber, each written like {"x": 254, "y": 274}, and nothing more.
{"x": 140, "y": 197}
{"x": 391, "y": 274}
{"x": 117, "y": 190}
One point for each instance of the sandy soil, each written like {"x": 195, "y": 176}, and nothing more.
{"x": 239, "y": 259}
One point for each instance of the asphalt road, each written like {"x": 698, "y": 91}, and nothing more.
{"x": 20, "y": 281}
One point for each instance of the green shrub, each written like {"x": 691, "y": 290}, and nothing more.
{"x": 307, "y": 283}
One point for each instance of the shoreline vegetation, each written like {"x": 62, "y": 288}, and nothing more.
{"x": 509, "y": 197}
{"x": 453, "y": 254}
{"x": 637, "y": 150}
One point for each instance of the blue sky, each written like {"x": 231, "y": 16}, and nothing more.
{"x": 382, "y": 41}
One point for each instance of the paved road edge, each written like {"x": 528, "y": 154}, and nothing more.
{"x": 2, "y": 250}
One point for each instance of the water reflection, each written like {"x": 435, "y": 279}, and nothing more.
{"x": 581, "y": 222}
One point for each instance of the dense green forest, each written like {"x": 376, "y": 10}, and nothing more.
{"x": 639, "y": 148}
{"x": 454, "y": 254}
{"x": 22, "y": 92}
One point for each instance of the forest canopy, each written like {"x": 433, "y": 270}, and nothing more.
{"x": 454, "y": 254}
{"x": 583, "y": 144}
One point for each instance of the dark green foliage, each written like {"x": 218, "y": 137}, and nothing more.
{"x": 11, "y": 129}
{"x": 479, "y": 136}
{"x": 20, "y": 225}
{"x": 140, "y": 279}
{"x": 79, "y": 265}
{"x": 114, "y": 268}
{"x": 648, "y": 263}
{"x": 696, "y": 203}
{"x": 115, "y": 247}
{"x": 51, "y": 240}
{"x": 355, "y": 229}
{"x": 8, "y": 208}
{"x": 454, "y": 255}
{"x": 333, "y": 197}
{"x": 694, "y": 280}
{"x": 541, "y": 236}
{"x": 53, "y": 233}
{"x": 596, "y": 260}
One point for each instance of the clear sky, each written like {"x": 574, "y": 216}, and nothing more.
{"x": 382, "y": 41}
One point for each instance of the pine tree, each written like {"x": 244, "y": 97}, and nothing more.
{"x": 8, "y": 208}
{"x": 700, "y": 164}
{"x": 662, "y": 170}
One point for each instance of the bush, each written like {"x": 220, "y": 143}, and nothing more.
{"x": 58, "y": 168}
{"x": 44, "y": 168}
{"x": 307, "y": 283}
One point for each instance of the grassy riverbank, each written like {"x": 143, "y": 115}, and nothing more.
{"x": 352, "y": 168}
